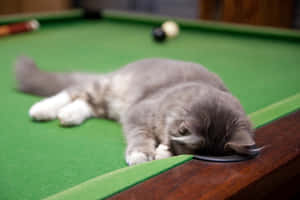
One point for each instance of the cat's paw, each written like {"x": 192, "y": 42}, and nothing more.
{"x": 75, "y": 113}
{"x": 47, "y": 109}
{"x": 137, "y": 157}
{"x": 162, "y": 151}
{"x": 40, "y": 111}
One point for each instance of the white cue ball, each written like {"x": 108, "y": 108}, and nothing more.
{"x": 171, "y": 28}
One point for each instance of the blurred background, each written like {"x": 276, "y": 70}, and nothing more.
{"x": 275, "y": 13}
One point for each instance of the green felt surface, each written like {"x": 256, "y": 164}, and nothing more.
{"x": 275, "y": 110}
{"x": 41, "y": 159}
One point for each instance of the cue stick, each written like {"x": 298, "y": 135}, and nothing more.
{"x": 14, "y": 28}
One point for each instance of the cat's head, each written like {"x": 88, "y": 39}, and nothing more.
{"x": 216, "y": 125}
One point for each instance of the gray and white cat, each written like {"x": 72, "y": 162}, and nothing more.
{"x": 166, "y": 107}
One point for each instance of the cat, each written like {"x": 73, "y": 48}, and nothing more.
{"x": 166, "y": 107}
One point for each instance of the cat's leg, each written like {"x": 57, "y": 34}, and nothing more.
{"x": 140, "y": 147}
{"x": 162, "y": 151}
{"x": 71, "y": 106}
{"x": 75, "y": 113}
{"x": 68, "y": 110}
{"x": 48, "y": 108}
{"x": 140, "y": 152}
{"x": 142, "y": 143}
{"x": 88, "y": 101}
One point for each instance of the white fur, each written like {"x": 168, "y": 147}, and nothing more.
{"x": 118, "y": 101}
{"x": 136, "y": 157}
{"x": 75, "y": 113}
{"x": 48, "y": 108}
{"x": 162, "y": 151}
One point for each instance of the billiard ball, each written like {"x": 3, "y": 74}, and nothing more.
{"x": 158, "y": 34}
{"x": 170, "y": 28}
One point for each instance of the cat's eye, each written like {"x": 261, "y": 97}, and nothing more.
{"x": 183, "y": 131}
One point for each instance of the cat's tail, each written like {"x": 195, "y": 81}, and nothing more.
{"x": 32, "y": 80}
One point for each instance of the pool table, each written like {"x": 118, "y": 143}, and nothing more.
{"x": 261, "y": 66}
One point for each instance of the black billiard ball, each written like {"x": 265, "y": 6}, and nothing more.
{"x": 158, "y": 34}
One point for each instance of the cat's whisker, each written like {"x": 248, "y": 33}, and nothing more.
{"x": 255, "y": 151}
{"x": 190, "y": 139}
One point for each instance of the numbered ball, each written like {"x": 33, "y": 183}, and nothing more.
{"x": 158, "y": 34}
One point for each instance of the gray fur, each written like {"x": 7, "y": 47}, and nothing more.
{"x": 154, "y": 100}
{"x": 34, "y": 81}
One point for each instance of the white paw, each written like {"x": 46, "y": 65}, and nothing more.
{"x": 162, "y": 151}
{"x": 47, "y": 109}
{"x": 75, "y": 113}
{"x": 40, "y": 111}
{"x": 136, "y": 158}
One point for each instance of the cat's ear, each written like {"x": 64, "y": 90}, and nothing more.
{"x": 242, "y": 143}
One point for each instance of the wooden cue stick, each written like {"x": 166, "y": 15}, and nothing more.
{"x": 19, "y": 27}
